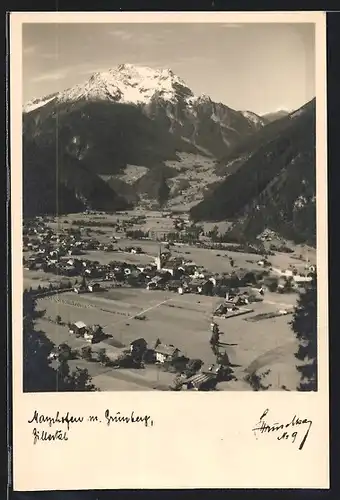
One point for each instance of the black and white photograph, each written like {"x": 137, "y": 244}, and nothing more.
{"x": 169, "y": 207}
{"x": 168, "y": 183}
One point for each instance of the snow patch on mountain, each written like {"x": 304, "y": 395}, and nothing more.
{"x": 37, "y": 103}
{"x": 253, "y": 118}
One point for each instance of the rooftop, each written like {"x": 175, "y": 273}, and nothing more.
{"x": 80, "y": 324}
{"x": 166, "y": 349}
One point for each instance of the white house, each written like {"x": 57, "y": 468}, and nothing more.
{"x": 165, "y": 352}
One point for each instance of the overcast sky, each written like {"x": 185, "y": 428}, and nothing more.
{"x": 256, "y": 67}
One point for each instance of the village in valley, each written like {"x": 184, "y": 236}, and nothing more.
{"x": 153, "y": 301}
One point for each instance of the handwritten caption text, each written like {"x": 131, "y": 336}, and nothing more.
{"x": 65, "y": 421}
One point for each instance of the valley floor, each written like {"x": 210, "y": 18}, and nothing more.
{"x": 181, "y": 320}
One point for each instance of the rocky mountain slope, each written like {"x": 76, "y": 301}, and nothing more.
{"x": 133, "y": 130}
{"x": 270, "y": 181}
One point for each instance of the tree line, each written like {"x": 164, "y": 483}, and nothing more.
{"x": 38, "y": 374}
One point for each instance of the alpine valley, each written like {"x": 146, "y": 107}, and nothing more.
{"x": 136, "y": 136}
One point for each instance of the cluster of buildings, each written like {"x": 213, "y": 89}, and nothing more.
{"x": 62, "y": 254}
{"x": 191, "y": 373}
{"x": 91, "y": 334}
{"x": 49, "y": 247}
{"x": 298, "y": 277}
{"x": 157, "y": 352}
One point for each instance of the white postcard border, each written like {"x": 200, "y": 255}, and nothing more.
{"x": 199, "y": 440}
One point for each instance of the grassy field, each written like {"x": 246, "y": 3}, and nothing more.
{"x": 179, "y": 320}
{"x": 37, "y": 277}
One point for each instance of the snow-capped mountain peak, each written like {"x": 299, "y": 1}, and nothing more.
{"x": 125, "y": 83}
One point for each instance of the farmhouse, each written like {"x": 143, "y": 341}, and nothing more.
{"x": 156, "y": 282}
{"x": 198, "y": 274}
{"x": 93, "y": 334}
{"x": 173, "y": 270}
{"x": 165, "y": 352}
{"x": 204, "y": 286}
{"x": 78, "y": 328}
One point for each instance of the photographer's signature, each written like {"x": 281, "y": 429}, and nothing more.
{"x": 295, "y": 428}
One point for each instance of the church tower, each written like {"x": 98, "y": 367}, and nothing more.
{"x": 159, "y": 259}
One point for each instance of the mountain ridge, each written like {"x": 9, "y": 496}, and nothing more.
{"x": 138, "y": 136}
{"x": 276, "y": 115}
{"x": 273, "y": 184}
{"x": 134, "y": 116}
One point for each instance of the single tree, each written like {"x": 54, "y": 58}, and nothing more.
{"x": 38, "y": 376}
{"x": 256, "y": 381}
{"x": 80, "y": 380}
{"x": 214, "y": 233}
{"x": 102, "y": 356}
{"x": 272, "y": 286}
{"x": 65, "y": 352}
{"x": 86, "y": 353}
{"x": 163, "y": 190}
{"x": 304, "y": 325}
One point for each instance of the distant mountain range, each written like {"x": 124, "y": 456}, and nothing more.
{"x": 270, "y": 181}
{"x": 139, "y": 136}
